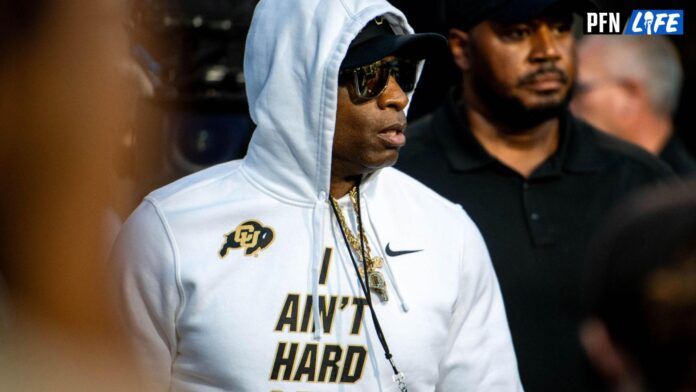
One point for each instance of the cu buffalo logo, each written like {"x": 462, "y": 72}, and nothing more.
{"x": 250, "y": 236}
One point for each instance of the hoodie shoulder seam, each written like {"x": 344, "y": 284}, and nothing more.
{"x": 177, "y": 268}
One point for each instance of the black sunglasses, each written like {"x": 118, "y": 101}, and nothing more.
{"x": 369, "y": 81}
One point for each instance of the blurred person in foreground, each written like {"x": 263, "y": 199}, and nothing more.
{"x": 311, "y": 264}
{"x": 536, "y": 180}
{"x": 640, "y": 292}
{"x": 61, "y": 103}
{"x": 629, "y": 86}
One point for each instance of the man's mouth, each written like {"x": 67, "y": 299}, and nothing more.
{"x": 545, "y": 81}
{"x": 393, "y": 135}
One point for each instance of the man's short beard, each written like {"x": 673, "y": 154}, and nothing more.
{"x": 511, "y": 111}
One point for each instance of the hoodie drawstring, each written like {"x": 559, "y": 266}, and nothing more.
{"x": 398, "y": 377}
{"x": 390, "y": 274}
{"x": 318, "y": 224}
{"x": 392, "y": 279}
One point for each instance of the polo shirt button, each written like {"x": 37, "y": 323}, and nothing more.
{"x": 525, "y": 185}
{"x": 534, "y": 216}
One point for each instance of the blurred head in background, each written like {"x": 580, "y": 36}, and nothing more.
{"x": 641, "y": 294}
{"x": 629, "y": 86}
{"x": 63, "y": 104}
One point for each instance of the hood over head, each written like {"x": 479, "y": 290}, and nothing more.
{"x": 293, "y": 53}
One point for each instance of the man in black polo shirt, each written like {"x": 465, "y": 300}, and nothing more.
{"x": 536, "y": 180}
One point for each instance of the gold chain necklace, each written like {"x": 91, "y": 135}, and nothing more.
{"x": 374, "y": 276}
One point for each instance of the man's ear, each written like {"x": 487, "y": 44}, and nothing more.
{"x": 459, "y": 47}
{"x": 632, "y": 102}
{"x": 637, "y": 94}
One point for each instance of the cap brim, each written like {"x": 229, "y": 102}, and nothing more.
{"x": 416, "y": 46}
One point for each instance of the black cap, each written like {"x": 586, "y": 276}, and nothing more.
{"x": 377, "y": 40}
{"x": 465, "y": 14}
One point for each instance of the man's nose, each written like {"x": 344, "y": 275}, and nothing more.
{"x": 393, "y": 96}
{"x": 544, "y": 45}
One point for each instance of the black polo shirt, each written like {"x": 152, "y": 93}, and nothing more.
{"x": 536, "y": 229}
{"x": 678, "y": 158}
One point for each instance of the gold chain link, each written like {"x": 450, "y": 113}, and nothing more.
{"x": 371, "y": 262}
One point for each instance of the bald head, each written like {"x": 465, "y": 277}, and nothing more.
{"x": 628, "y": 84}
{"x": 651, "y": 61}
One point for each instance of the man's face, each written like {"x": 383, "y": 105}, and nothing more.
{"x": 599, "y": 96}
{"x": 369, "y": 134}
{"x": 523, "y": 71}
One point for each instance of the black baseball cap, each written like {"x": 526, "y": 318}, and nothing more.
{"x": 465, "y": 14}
{"x": 377, "y": 40}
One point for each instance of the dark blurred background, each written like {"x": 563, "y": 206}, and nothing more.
{"x": 193, "y": 112}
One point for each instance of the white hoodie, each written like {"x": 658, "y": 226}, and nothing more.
{"x": 237, "y": 278}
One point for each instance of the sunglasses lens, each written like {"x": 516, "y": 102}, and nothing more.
{"x": 370, "y": 81}
{"x": 405, "y": 74}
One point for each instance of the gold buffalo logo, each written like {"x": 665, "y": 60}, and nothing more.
{"x": 250, "y": 236}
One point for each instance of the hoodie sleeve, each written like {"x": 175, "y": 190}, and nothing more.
{"x": 480, "y": 355}
{"x": 143, "y": 259}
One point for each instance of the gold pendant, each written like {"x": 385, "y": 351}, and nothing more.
{"x": 378, "y": 284}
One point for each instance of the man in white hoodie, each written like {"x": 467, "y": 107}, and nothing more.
{"x": 290, "y": 270}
